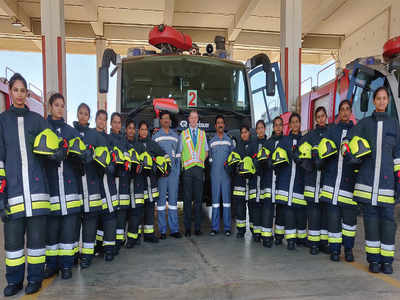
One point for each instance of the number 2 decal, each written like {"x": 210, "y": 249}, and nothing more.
{"x": 192, "y": 98}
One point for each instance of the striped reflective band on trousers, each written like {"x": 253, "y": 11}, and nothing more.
{"x": 290, "y": 234}
{"x": 215, "y": 205}
{"x": 314, "y": 235}
{"x": 36, "y": 256}
{"x": 120, "y": 234}
{"x": 60, "y": 249}
{"x": 88, "y": 248}
{"x": 240, "y": 223}
{"x": 266, "y": 232}
{"x": 376, "y": 247}
{"x": 324, "y": 235}
{"x": 348, "y": 230}
{"x": 24, "y": 167}
{"x": 334, "y": 237}
{"x": 15, "y": 258}
{"x": 148, "y": 229}
{"x": 279, "y": 229}
{"x": 301, "y": 234}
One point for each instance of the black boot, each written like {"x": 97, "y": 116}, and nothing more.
{"x": 33, "y": 287}
{"x": 278, "y": 241}
{"x": 150, "y": 238}
{"x": 240, "y": 235}
{"x": 335, "y": 256}
{"x": 131, "y": 243}
{"x": 291, "y": 244}
{"x": 12, "y": 289}
{"x": 257, "y": 238}
{"x": 324, "y": 248}
{"x": 374, "y": 267}
{"x": 108, "y": 255}
{"x": 49, "y": 272}
{"x": 314, "y": 250}
{"x": 85, "y": 262}
{"x": 76, "y": 259}
{"x": 66, "y": 273}
{"x": 98, "y": 249}
{"x": 267, "y": 242}
{"x": 387, "y": 268}
{"x": 348, "y": 255}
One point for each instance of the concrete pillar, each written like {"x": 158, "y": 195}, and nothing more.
{"x": 53, "y": 48}
{"x": 100, "y": 47}
{"x": 291, "y": 25}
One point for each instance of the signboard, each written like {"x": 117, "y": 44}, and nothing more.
{"x": 192, "y": 98}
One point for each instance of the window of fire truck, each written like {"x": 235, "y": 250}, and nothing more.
{"x": 219, "y": 84}
{"x": 370, "y": 84}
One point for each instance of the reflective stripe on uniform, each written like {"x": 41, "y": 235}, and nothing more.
{"x": 36, "y": 256}
{"x": 317, "y": 184}
{"x": 61, "y": 189}
{"x": 166, "y": 138}
{"x": 339, "y": 172}
{"x": 52, "y": 250}
{"x": 290, "y": 234}
{"x": 85, "y": 193}
{"x": 108, "y": 195}
{"x": 378, "y": 158}
{"x": 266, "y": 232}
{"x": 240, "y": 223}
{"x": 279, "y": 229}
{"x": 335, "y": 237}
{"x": 15, "y": 258}
{"x": 148, "y": 229}
{"x": 349, "y": 231}
{"x": 387, "y": 250}
{"x": 301, "y": 234}
{"x": 314, "y": 235}
{"x": 292, "y": 178}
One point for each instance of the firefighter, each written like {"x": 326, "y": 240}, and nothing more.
{"x": 90, "y": 187}
{"x": 247, "y": 151}
{"x": 290, "y": 185}
{"x": 194, "y": 149}
{"x": 107, "y": 218}
{"x": 168, "y": 140}
{"x": 65, "y": 196}
{"x": 317, "y": 218}
{"x": 122, "y": 178}
{"x": 136, "y": 186}
{"x": 374, "y": 144}
{"x": 259, "y": 184}
{"x": 221, "y": 146}
{"x": 24, "y": 196}
{"x": 269, "y": 205}
{"x": 337, "y": 187}
{"x": 149, "y": 180}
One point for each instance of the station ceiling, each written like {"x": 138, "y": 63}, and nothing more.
{"x": 250, "y": 26}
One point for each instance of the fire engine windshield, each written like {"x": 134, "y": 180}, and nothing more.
{"x": 193, "y": 81}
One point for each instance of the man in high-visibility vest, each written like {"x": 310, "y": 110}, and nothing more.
{"x": 194, "y": 152}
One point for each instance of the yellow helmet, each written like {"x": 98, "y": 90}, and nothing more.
{"x": 279, "y": 157}
{"x": 326, "y": 148}
{"x": 162, "y": 165}
{"x": 119, "y": 156}
{"x": 46, "y": 142}
{"x": 359, "y": 147}
{"x": 246, "y": 167}
{"x": 133, "y": 156}
{"x": 102, "y": 156}
{"x": 146, "y": 161}
{"x": 305, "y": 150}
{"x": 76, "y": 146}
{"x": 263, "y": 154}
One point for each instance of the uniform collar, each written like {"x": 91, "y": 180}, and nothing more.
{"x": 80, "y": 127}
{"x": 380, "y": 116}
{"x": 344, "y": 125}
{"x": 19, "y": 111}
{"x": 57, "y": 123}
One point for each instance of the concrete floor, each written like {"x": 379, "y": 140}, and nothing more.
{"x": 222, "y": 268}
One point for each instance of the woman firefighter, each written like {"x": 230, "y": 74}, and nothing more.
{"x": 24, "y": 195}
{"x": 374, "y": 146}
{"x": 290, "y": 184}
{"x": 317, "y": 218}
{"x": 337, "y": 187}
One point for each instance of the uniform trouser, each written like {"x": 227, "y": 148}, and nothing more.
{"x": 89, "y": 226}
{"x": 279, "y": 221}
{"x": 60, "y": 241}
{"x": 342, "y": 226}
{"x": 268, "y": 209}
{"x": 380, "y": 233}
{"x": 257, "y": 208}
{"x": 296, "y": 222}
{"x": 109, "y": 226}
{"x": 317, "y": 223}
{"x": 193, "y": 191}
{"x": 77, "y": 236}
{"x": 221, "y": 188}
{"x": 148, "y": 228}
{"x": 240, "y": 204}
{"x": 168, "y": 185}
{"x": 14, "y": 244}
{"x": 122, "y": 218}
{"x": 135, "y": 217}
{"x": 250, "y": 207}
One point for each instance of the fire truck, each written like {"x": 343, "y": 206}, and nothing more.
{"x": 34, "y": 100}
{"x": 179, "y": 78}
{"x": 357, "y": 83}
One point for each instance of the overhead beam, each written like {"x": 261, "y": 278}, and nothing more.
{"x": 95, "y": 16}
{"x": 169, "y": 8}
{"x": 326, "y": 9}
{"x": 14, "y": 10}
{"x": 241, "y": 16}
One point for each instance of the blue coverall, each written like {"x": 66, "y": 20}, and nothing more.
{"x": 169, "y": 142}
{"x": 220, "y": 148}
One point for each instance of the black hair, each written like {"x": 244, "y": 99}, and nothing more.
{"x": 276, "y": 119}
{"x": 244, "y": 126}
{"x": 260, "y": 122}
{"x": 165, "y": 112}
{"x": 129, "y": 122}
{"x": 382, "y": 88}
{"x": 345, "y": 101}
{"x": 294, "y": 115}
{"x": 15, "y": 78}
{"x": 194, "y": 111}
{"x": 143, "y": 123}
{"x": 219, "y": 117}
{"x": 320, "y": 108}
{"x": 84, "y": 105}
{"x": 100, "y": 112}
{"x": 54, "y": 97}
{"x": 115, "y": 114}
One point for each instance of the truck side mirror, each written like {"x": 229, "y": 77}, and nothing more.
{"x": 103, "y": 80}
{"x": 364, "y": 101}
{"x": 270, "y": 83}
